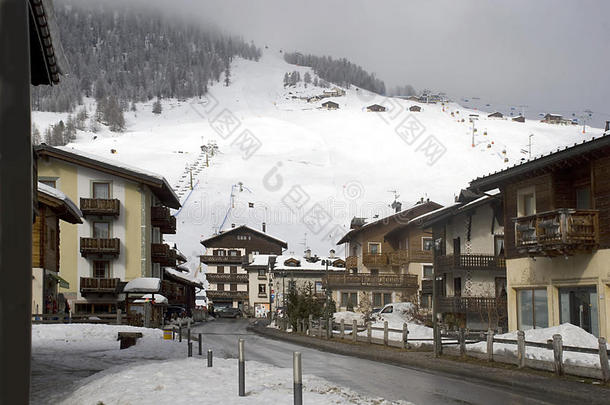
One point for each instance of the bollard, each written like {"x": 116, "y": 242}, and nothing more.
{"x": 299, "y": 326}
{"x": 342, "y": 329}
{"x": 354, "y": 330}
{"x": 119, "y": 317}
{"x": 298, "y": 378}
{"x": 320, "y": 322}
{"x": 603, "y": 359}
{"x": 188, "y": 324}
{"x": 310, "y": 325}
{"x": 190, "y": 349}
{"x": 200, "y": 344}
{"x": 329, "y": 329}
{"x": 179, "y": 331}
{"x": 209, "y": 357}
{"x": 385, "y": 333}
{"x": 558, "y": 354}
{"x": 462, "y": 340}
{"x": 405, "y": 336}
{"x": 369, "y": 332}
{"x": 521, "y": 348}
{"x": 490, "y": 345}
{"x": 188, "y": 335}
{"x": 242, "y": 369}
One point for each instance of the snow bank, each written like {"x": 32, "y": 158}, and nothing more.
{"x": 84, "y": 332}
{"x": 349, "y": 317}
{"x": 571, "y": 336}
{"x": 190, "y": 381}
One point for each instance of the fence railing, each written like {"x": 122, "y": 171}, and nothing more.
{"x": 368, "y": 280}
{"x": 470, "y": 262}
{"x": 117, "y": 318}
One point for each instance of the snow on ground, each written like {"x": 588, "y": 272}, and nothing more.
{"x": 156, "y": 371}
{"x": 349, "y": 317}
{"x": 571, "y": 336}
{"x": 190, "y": 381}
{"x": 306, "y": 160}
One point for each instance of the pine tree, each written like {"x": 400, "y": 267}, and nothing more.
{"x": 70, "y": 130}
{"x": 227, "y": 76}
{"x": 307, "y": 78}
{"x": 133, "y": 107}
{"x": 36, "y": 138}
{"x": 286, "y": 79}
{"x": 81, "y": 118}
{"x": 94, "y": 125}
{"x": 157, "y": 108}
{"x": 113, "y": 115}
{"x": 315, "y": 81}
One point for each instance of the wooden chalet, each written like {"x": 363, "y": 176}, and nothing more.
{"x": 415, "y": 108}
{"x": 375, "y": 108}
{"x": 330, "y": 105}
{"x": 496, "y": 114}
{"x": 519, "y": 118}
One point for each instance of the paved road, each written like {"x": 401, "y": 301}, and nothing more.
{"x": 363, "y": 376}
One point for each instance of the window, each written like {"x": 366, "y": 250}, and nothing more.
{"x": 218, "y": 252}
{"x": 156, "y": 270}
{"x": 220, "y": 287}
{"x": 526, "y": 202}
{"x": 319, "y": 288}
{"x": 427, "y": 243}
{"x": 234, "y": 253}
{"x": 583, "y": 198}
{"x": 262, "y": 273}
{"x": 156, "y": 235}
{"x": 427, "y": 272}
{"x": 532, "y": 309}
{"x": 578, "y": 306}
{"x": 50, "y": 183}
{"x": 347, "y": 297}
{"x": 262, "y": 289}
{"x": 292, "y": 284}
{"x": 101, "y": 269}
{"x": 232, "y": 269}
{"x": 381, "y": 299}
{"x": 233, "y": 287}
{"x": 101, "y": 230}
{"x": 101, "y": 190}
{"x": 374, "y": 248}
{"x": 220, "y": 269}
{"x": 499, "y": 245}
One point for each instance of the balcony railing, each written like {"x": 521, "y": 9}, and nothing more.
{"x": 470, "y": 262}
{"x": 226, "y": 278}
{"x": 161, "y": 253}
{"x": 238, "y": 295}
{"x": 560, "y": 232}
{"x": 100, "y": 246}
{"x": 379, "y": 259}
{"x": 351, "y": 262}
{"x": 100, "y": 206}
{"x": 402, "y": 281}
{"x": 99, "y": 285}
{"x": 161, "y": 218}
{"x": 479, "y": 305}
{"x": 398, "y": 257}
{"x": 209, "y": 259}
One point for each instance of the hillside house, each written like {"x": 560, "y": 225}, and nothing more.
{"x": 330, "y": 105}
{"x": 227, "y": 257}
{"x": 552, "y": 119}
{"x": 495, "y": 115}
{"x": 53, "y": 206}
{"x": 415, "y": 108}
{"x": 126, "y": 213}
{"x": 375, "y": 108}
{"x": 383, "y": 266}
{"x": 557, "y": 237}
{"x": 334, "y": 92}
{"x": 519, "y": 118}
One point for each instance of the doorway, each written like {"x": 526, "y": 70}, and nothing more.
{"x": 578, "y": 306}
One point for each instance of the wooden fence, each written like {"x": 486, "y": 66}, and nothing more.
{"x": 117, "y": 318}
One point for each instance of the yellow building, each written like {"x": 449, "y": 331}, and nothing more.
{"x": 126, "y": 213}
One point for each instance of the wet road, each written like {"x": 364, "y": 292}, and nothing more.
{"x": 366, "y": 377}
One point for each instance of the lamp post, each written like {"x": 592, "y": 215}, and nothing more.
{"x": 327, "y": 291}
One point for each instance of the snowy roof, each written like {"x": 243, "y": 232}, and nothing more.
{"x": 242, "y": 227}
{"x": 188, "y": 278}
{"x": 260, "y": 260}
{"x": 304, "y": 265}
{"x": 73, "y": 214}
{"x": 143, "y": 285}
{"x": 157, "y": 183}
{"x": 158, "y": 299}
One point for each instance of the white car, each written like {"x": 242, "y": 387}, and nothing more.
{"x": 393, "y": 310}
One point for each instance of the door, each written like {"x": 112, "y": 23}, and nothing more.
{"x": 456, "y": 247}
{"x": 578, "y": 306}
{"x": 457, "y": 287}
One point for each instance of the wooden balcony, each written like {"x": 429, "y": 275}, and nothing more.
{"x": 398, "y": 257}
{"x": 100, "y": 246}
{"x": 379, "y": 259}
{"x": 351, "y": 262}
{"x": 100, "y": 206}
{"x": 560, "y": 232}
{"x": 426, "y": 287}
{"x": 160, "y": 217}
{"x": 236, "y": 295}
{"x": 209, "y": 259}
{"x": 226, "y": 278}
{"x": 476, "y": 305}
{"x": 389, "y": 281}
{"x": 164, "y": 255}
{"x": 470, "y": 262}
{"x": 90, "y": 285}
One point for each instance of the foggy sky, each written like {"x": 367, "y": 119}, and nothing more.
{"x": 553, "y": 56}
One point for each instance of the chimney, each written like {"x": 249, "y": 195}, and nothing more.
{"x": 308, "y": 254}
{"x": 232, "y": 225}
{"x": 397, "y": 206}
{"x": 607, "y": 126}
{"x": 264, "y": 227}
{"x": 331, "y": 254}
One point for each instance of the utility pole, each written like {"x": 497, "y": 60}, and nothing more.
{"x": 529, "y": 146}
{"x": 191, "y": 176}
{"x": 15, "y": 203}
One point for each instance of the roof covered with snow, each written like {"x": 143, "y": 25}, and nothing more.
{"x": 241, "y": 228}
{"x": 71, "y": 213}
{"x": 282, "y": 263}
{"x": 143, "y": 285}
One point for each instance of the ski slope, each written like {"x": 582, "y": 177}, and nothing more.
{"x": 306, "y": 171}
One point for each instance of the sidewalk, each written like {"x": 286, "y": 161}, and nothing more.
{"x": 557, "y": 390}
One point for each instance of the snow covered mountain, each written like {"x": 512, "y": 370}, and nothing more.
{"x": 303, "y": 170}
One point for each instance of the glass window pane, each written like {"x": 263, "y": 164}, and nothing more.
{"x": 101, "y": 190}
{"x": 387, "y": 298}
{"x": 344, "y": 299}
{"x": 101, "y": 230}
{"x": 354, "y": 299}
{"x": 374, "y": 248}
{"x": 428, "y": 272}
{"x": 376, "y": 299}
{"x": 525, "y": 309}
{"x": 541, "y": 309}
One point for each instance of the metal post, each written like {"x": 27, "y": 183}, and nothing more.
{"x": 210, "y": 356}
{"x": 179, "y": 331}
{"x": 342, "y": 329}
{"x": 242, "y": 369}
{"x": 521, "y": 348}
{"x": 385, "y": 333}
{"x": 320, "y": 322}
{"x": 603, "y": 359}
{"x": 200, "y": 344}
{"x": 405, "y": 335}
{"x": 462, "y": 340}
{"x": 188, "y": 335}
{"x": 354, "y": 330}
{"x": 16, "y": 202}
{"x": 490, "y": 345}
{"x": 558, "y": 354}
{"x": 369, "y": 332}
{"x": 190, "y": 349}
{"x": 329, "y": 329}
{"x": 298, "y": 378}
{"x": 310, "y": 326}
